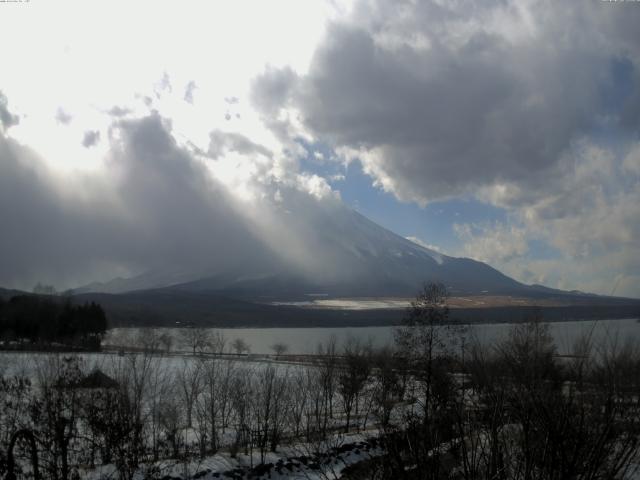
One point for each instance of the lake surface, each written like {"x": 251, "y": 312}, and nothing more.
{"x": 306, "y": 340}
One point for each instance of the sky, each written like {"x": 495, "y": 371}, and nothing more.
{"x": 141, "y": 135}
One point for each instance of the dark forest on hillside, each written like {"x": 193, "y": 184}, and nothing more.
{"x": 28, "y": 321}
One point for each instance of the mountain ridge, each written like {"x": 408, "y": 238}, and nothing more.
{"x": 368, "y": 260}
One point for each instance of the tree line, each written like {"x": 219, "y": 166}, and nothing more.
{"x": 46, "y": 321}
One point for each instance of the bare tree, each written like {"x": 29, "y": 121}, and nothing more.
{"x": 535, "y": 417}
{"x": 213, "y": 403}
{"x": 166, "y": 340}
{"x": 240, "y": 346}
{"x": 17, "y": 394}
{"x": 269, "y": 407}
{"x": 160, "y": 385}
{"x": 327, "y": 365}
{"x": 196, "y": 339}
{"x": 320, "y": 386}
{"x": 426, "y": 341}
{"x": 229, "y": 372}
{"x": 189, "y": 381}
{"x": 241, "y": 393}
{"x": 280, "y": 348}
{"x": 133, "y": 372}
{"x": 217, "y": 342}
{"x": 56, "y": 413}
{"x": 388, "y": 385}
{"x": 154, "y": 340}
{"x": 352, "y": 375}
{"x": 297, "y": 400}
{"x": 170, "y": 420}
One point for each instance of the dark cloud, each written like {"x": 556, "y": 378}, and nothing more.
{"x": 46, "y": 234}
{"x": 272, "y": 90}
{"x": 177, "y": 201}
{"x": 529, "y": 106}
{"x": 90, "y": 138}
{"x": 7, "y": 119}
{"x": 440, "y": 99}
{"x": 270, "y": 93}
{"x": 157, "y": 209}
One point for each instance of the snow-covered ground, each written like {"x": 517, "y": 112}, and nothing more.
{"x": 292, "y": 459}
{"x": 297, "y": 461}
{"x": 352, "y": 303}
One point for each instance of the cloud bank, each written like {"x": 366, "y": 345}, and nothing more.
{"x": 156, "y": 207}
{"x": 153, "y": 205}
{"x": 530, "y": 107}
{"x": 533, "y": 107}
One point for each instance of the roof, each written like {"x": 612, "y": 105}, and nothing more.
{"x": 97, "y": 379}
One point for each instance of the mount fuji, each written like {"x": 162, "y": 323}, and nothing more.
{"x": 322, "y": 260}
{"x": 346, "y": 255}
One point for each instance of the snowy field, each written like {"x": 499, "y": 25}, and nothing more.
{"x": 239, "y": 392}
{"x": 292, "y": 463}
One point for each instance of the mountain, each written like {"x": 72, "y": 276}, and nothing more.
{"x": 6, "y": 294}
{"x": 312, "y": 254}
{"x": 316, "y": 254}
{"x": 345, "y": 255}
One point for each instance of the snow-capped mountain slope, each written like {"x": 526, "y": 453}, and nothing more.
{"x": 345, "y": 254}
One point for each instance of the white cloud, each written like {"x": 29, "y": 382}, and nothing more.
{"x": 589, "y": 220}
{"x": 105, "y": 55}
{"x": 631, "y": 162}
{"x": 437, "y": 100}
{"x": 157, "y": 206}
{"x": 492, "y": 242}
{"x": 434, "y": 99}
{"x": 424, "y": 244}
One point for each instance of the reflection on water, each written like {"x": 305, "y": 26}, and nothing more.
{"x": 305, "y": 340}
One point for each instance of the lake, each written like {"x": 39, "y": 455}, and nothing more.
{"x": 306, "y": 340}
